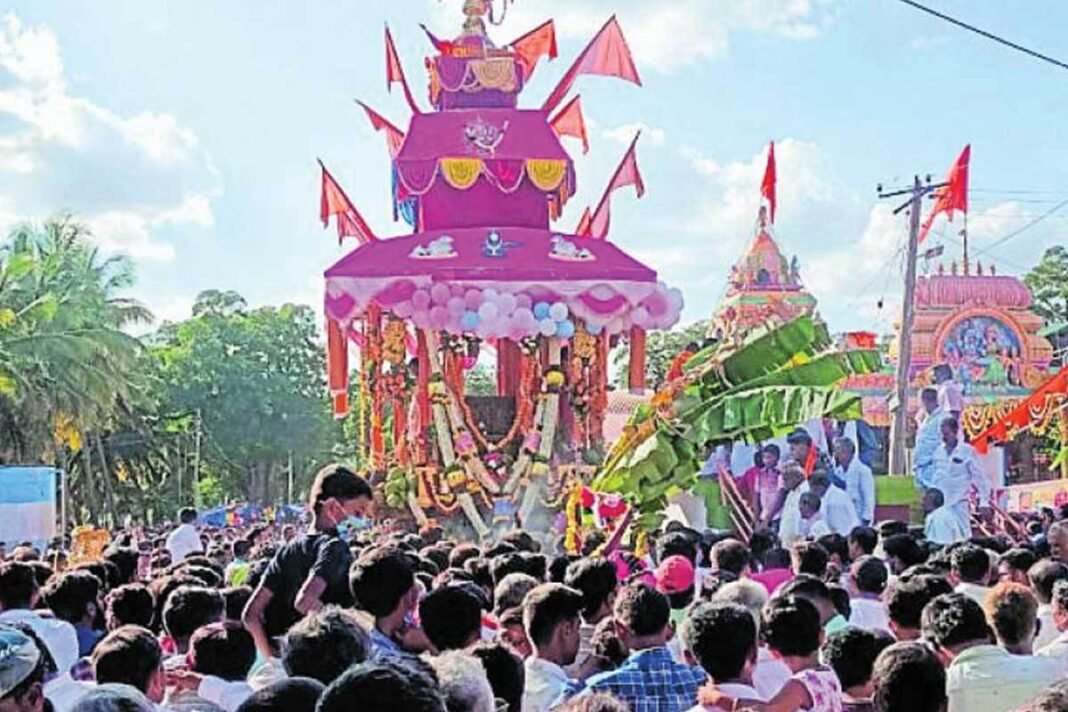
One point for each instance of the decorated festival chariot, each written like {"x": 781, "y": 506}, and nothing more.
{"x": 487, "y": 273}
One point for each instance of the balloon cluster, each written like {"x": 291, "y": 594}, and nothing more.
{"x": 492, "y": 314}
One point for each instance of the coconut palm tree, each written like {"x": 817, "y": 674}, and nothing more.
{"x": 66, "y": 363}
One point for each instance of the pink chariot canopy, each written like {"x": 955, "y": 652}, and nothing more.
{"x": 450, "y": 275}
{"x": 481, "y": 182}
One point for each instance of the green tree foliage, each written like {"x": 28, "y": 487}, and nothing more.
{"x": 255, "y": 379}
{"x": 661, "y": 348}
{"x": 1049, "y": 285}
{"x": 236, "y": 391}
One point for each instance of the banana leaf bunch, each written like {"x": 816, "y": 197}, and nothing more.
{"x": 779, "y": 377}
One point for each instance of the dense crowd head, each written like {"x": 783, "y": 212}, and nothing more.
{"x": 340, "y": 614}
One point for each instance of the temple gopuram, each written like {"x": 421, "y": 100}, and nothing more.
{"x": 763, "y": 287}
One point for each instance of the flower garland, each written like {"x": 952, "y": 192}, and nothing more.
{"x": 524, "y": 411}
{"x": 573, "y": 532}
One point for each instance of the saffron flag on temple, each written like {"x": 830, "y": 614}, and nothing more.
{"x": 531, "y": 47}
{"x": 584, "y": 223}
{"x": 394, "y": 136}
{"x": 570, "y": 122}
{"x": 954, "y": 195}
{"x": 767, "y": 186}
{"x": 349, "y": 221}
{"x": 443, "y": 46}
{"x": 395, "y": 72}
{"x": 626, "y": 174}
{"x": 606, "y": 55}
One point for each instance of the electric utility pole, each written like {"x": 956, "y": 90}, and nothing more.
{"x": 196, "y": 457}
{"x": 899, "y": 404}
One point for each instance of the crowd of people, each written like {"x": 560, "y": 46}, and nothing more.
{"x": 350, "y": 615}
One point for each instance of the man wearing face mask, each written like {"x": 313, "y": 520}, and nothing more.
{"x": 312, "y": 570}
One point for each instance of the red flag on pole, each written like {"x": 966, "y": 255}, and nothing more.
{"x": 811, "y": 460}
{"x": 570, "y": 122}
{"x": 606, "y": 55}
{"x": 349, "y": 221}
{"x": 443, "y": 46}
{"x": 954, "y": 196}
{"x": 394, "y": 136}
{"x": 395, "y": 72}
{"x": 767, "y": 186}
{"x": 626, "y": 174}
{"x": 539, "y": 42}
{"x": 583, "y": 227}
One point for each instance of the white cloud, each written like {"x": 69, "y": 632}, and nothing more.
{"x": 665, "y": 35}
{"x": 701, "y": 163}
{"x": 126, "y": 176}
{"x": 732, "y": 197}
{"x": 625, "y": 134}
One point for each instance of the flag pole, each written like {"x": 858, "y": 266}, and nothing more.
{"x": 608, "y": 190}
{"x": 899, "y": 401}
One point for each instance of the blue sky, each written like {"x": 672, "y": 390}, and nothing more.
{"x": 186, "y": 132}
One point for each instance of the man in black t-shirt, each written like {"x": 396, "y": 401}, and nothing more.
{"x": 312, "y": 570}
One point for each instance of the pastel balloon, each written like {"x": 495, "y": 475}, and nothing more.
{"x": 489, "y": 311}
{"x": 565, "y": 329}
{"x": 594, "y": 328}
{"x": 403, "y": 309}
{"x": 523, "y": 301}
{"x": 524, "y": 317}
{"x": 472, "y": 298}
{"x": 421, "y": 319}
{"x": 547, "y": 327}
{"x": 541, "y": 310}
{"x": 421, "y": 299}
{"x": 439, "y": 317}
{"x": 657, "y": 304}
{"x": 558, "y": 311}
{"x": 455, "y": 305}
{"x": 490, "y": 294}
{"x": 439, "y": 293}
{"x": 507, "y": 303}
{"x": 470, "y": 320}
{"x": 640, "y": 316}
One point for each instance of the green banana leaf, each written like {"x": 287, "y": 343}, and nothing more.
{"x": 774, "y": 349}
{"x": 827, "y": 369}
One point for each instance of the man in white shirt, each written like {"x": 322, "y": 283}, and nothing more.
{"x": 867, "y": 581}
{"x": 857, "y": 477}
{"x": 1042, "y": 577}
{"x": 941, "y": 526}
{"x": 184, "y": 541}
{"x": 957, "y": 472}
{"x": 981, "y": 677}
{"x": 551, "y": 618}
{"x": 969, "y": 571}
{"x": 1057, "y": 648}
{"x": 837, "y": 506}
{"x": 794, "y": 485}
{"x": 18, "y": 598}
{"x": 928, "y": 438}
{"x": 812, "y": 524}
{"x": 722, "y": 639}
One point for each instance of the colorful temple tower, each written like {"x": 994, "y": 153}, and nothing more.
{"x": 762, "y": 286}
{"x": 481, "y": 181}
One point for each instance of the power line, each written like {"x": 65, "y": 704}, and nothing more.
{"x": 988, "y": 35}
{"x": 1028, "y": 226}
